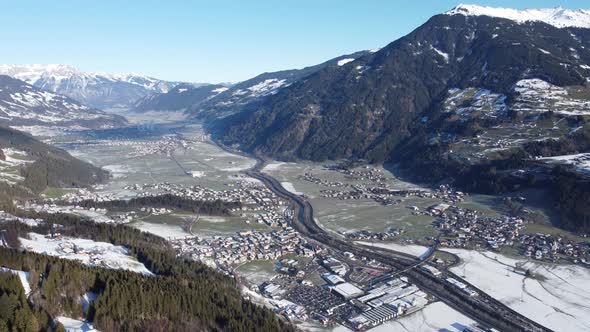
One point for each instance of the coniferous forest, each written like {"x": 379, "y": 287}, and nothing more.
{"x": 182, "y": 296}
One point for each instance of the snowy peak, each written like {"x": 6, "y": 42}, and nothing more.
{"x": 22, "y": 104}
{"x": 99, "y": 90}
{"x": 33, "y": 73}
{"x": 558, "y": 17}
{"x": 36, "y": 72}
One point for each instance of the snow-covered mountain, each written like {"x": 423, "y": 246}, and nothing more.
{"x": 180, "y": 98}
{"x": 24, "y": 105}
{"x": 239, "y": 96}
{"x": 558, "y": 17}
{"x": 99, "y": 90}
{"x": 367, "y": 107}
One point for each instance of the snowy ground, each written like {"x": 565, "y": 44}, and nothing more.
{"x": 557, "y": 296}
{"x": 581, "y": 161}
{"x": 412, "y": 249}
{"x": 289, "y": 186}
{"x": 165, "y": 230}
{"x": 76, "y": 325}
{"x": 10, "y": 166}
{"x": 22, "y": 275}
{"x": 96, "y": 216}
{"x": 437, "y": 317}
{"x": 86, "y": 251}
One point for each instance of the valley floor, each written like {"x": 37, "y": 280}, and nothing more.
{"x": 555, "y": 296}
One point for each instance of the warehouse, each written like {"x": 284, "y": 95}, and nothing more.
{"x": 374, "y": 317}
{"x": 347, "y": 290}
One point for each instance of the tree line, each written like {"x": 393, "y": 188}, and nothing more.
{"x": 216, "y": 207}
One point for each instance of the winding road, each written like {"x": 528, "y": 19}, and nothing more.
{"x": 482, "y": 308}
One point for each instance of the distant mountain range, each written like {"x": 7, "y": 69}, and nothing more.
{"x": 98, "y": 90}
{"x": 22, "y": 104}
{"x": 181, "y": 98}
{"x": 217, "y": 101}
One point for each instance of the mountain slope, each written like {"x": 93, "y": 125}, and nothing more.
{"x": 248, "y": 93}
{"x": 97, "y": 90}
{"x": 366, "y": 107}
{"x": 29, "y": 166}
{"x": 180, "y": 98}
{"x": 472, "y": 98}
{"x": 22, "y": 104}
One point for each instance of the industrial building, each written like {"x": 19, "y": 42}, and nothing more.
{"x": 347, "y": 290}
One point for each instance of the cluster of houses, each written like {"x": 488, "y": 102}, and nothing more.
{"x": 246, "y": 246}
{"x": 83, "y": 194}
{"x": 164, "y": 145}
{"x": 386, "y": 196}
{"x": 252, "y": 195}
{"x": 366, "y": 173}
{"x": 464, "y": 228}
{"x": 309, "y": 177}
{"x": 368, "y": 235}
{"x": 553, "y": 248}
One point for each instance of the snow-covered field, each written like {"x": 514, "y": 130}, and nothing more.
{"x": 167, "y": 231}
{"x": 86, "y": 251}
{"x": 412, "y": 249}
{"x": 273, "y": 166}
{"x": 10, "y": 166}
{"x": 581, "y": 161}
{"x": 557, "y": 296}
{"x": 22, "y": 275}
{"x": 536, "y": 95}
{"x": 96, "y": 216}
{"x": 435, "y": 317}
{"x": 289, "y": 186}
{"x": 76, "y": 325}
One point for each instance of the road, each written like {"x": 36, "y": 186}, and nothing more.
{"x": 482, "y": 308}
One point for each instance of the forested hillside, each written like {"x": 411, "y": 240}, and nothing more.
{"x": 47, "y": 166}
{"x": 183, "y": 296}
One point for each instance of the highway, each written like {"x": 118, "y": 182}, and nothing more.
{"x": 482, "y": 308}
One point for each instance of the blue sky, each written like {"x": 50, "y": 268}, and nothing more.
{"x": 210, "y": 41}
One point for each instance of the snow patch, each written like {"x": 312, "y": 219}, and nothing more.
{"x": 88, "y": 252}
{"x": 557, "y": 297}
{"x": 76, "y": 325}
{"x": 411, "y": 249}
{"x": 344, "y": 61}
{"x": 22, "y": 276}
{"x": 290, "y": 188}
{"x": 441, "y": 53}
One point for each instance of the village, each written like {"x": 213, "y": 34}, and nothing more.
{"x": 332, "y": 299}
{"x": 386, "y": 196}
{"x": 310, "y": 283}
{"x": 164, "y": 145}
{"x": 244, "y": 246}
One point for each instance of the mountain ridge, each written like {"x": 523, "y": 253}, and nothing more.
{"x": 95, "y": 89}
{"x": 22, "y": 104}
{"x": 403, "y": 79}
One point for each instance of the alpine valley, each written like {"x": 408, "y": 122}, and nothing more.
{"x": 440, "y": 182}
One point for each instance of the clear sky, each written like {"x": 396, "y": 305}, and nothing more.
{"x": 213, "y": 40}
